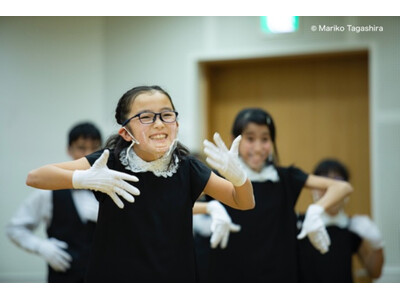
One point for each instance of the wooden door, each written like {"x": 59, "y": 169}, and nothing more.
{"x": 319, "y": 104}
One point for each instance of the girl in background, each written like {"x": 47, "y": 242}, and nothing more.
{"x": 265, "y": 249}
{"x": 355, "y": 235}
{"x": 150, "y": 240}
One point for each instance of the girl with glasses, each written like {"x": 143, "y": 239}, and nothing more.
{"x": 151, "y": 239}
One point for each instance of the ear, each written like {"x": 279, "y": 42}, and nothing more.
{"x": 124, "y": 134}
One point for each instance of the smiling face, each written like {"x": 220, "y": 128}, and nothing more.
{"x": 255, "y": 146}
{"x": 156, "y": 138}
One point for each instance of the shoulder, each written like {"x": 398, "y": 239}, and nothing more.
{"x": 292, "y": 171}
{"x": 195, "y": 166}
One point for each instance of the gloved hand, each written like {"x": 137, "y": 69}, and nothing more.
{"x": 221, "y": 224}
{"x": 314, "y": 228}
{"x": 366, "y": 229}
{"x": 224, "y": 160}
{"x": 100, "y": 178}
{"x": 51, "y": 251}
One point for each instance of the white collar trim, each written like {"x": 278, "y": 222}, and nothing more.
{"x": 267, "y": 173}
{"x": 159, "y": 167}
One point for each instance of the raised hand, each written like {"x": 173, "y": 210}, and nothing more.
{"x": 224, "y": 160}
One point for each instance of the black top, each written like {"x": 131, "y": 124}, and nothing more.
{"x": 67, "y": 226}
{"x": 335, "y": 266}
{"x": 265, "y": 248}
{"x": 150, "y": 240}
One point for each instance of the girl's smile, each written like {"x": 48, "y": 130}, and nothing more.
{"x": 154, "y": 138}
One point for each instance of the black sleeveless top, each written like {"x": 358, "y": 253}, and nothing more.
{"x": 265, "y": 249}
{"x": 67, "y": 226}
{"x": 335, "y": 266}
{"x": 150, "y": 240}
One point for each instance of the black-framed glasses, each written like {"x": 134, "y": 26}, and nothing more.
{"x": 150, "y": 117}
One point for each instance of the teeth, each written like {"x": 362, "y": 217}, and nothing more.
{"x": 159, "y": 136}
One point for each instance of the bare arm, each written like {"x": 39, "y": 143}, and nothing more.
{"x": 56, "y": 176}
{"x": 200, "y": 208}
{"x": 336, "y": 190}
{"x": 239, "y": 197}
{"x": 372, "y": 259}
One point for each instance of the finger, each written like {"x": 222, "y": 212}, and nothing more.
{"x": 64, "y": 255}
{"x": 302, "y": 234}
{"x": 210, "y": 146}
{"x": 116, "y": 200}
{"x": 128, "y": 187}
{"x": 225, "y": 239}
{"x": 102, "y": 160}
{"x": 216, "y": 237}
{"x": 124, "y": 176}
{"x": 56, "y": 267}
{"x": 219, "y": 142}
{"x": 214, "y": 155}
{"x": 61, "y": 264}
{"x": 215, "y": 165}
{"x": 235, "y": 227}
{"x": 58, "y": 243}
{"x": 327, "y": 239}
{"x": 235, "y": 145}
{"x": 128, "y": 197}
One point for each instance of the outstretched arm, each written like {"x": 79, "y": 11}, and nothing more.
{"x": 56, "y": 176}
{"x": 239, "y": 197}
{"x": 79, "y": 175}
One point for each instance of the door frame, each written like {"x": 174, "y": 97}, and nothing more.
{"x": 196, "y": 88}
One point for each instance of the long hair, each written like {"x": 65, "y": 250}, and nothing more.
{"x": 259, "y": 117}
{"x": 122, "y": 111}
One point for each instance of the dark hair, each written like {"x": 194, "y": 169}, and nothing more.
{"x": 84, "y": 130}
{"x": 326, "y": 166}
{"x": 260, "y": 117}
{"x": 122, "y": 111}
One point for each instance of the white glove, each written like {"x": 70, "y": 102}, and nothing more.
{"x": 221, "y": 224}
{"x": 366, "y": 229}
{"x": 224, "y": 160}
{"x": 100, "y": 178}
{"x": 314, "y": 228}
{"x": 51, "y": 251}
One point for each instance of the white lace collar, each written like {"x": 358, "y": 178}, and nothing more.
{"x": 267, "y": 173}
{"x": 340, "y": 220}
{"x": 159, "y": 167}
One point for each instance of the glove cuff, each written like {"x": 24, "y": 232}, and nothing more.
{"x": 377, "y": 244}
{"x": 315, "y": 209}
{"x": 212, "y": 206}
{"x": 77, "y": 178}
{"x": 239, "y": 181}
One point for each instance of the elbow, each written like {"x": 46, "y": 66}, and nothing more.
{"x": 31, "y": 179}
{"x": 250, "y": 205}
{"x": 347, "y": 187}
{"x": 375, "y": 274}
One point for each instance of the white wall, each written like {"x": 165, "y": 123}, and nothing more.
{"x": 51, "y": 76}
{"x": 55, "y": 71}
